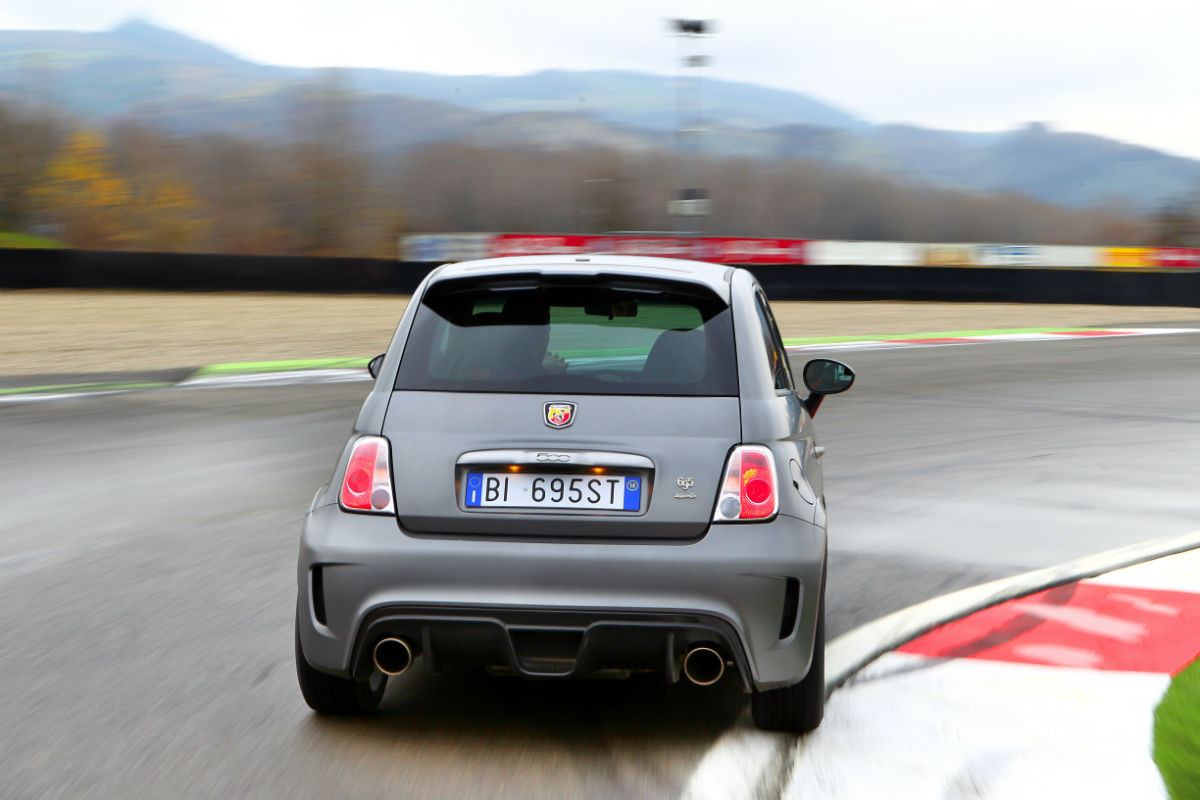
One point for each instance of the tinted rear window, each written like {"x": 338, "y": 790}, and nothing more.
{"x": 541, "y": 335}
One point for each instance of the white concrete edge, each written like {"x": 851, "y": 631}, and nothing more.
{"x": 745, "y": 762}
{"x": 278, "y": 378}
{"x": 1002, "y": 338}
{"x": 852, "y": 651}
{"x": 288, "y": 378}
{"x": 40, "y": 397}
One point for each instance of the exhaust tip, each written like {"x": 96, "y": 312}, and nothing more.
{"x": 703, "y": 665}
{"x": 393, "y": 656}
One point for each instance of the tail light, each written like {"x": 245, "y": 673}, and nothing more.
{"x": 367, "y": 484}
{"x": 750, "y": 490}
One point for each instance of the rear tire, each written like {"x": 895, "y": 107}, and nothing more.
{"x": 798, "y": 708}
{"x": 329, "y": 694}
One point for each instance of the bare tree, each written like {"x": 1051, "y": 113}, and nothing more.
{"x": 329, "y": 162}
{"x": 29, "y": 138}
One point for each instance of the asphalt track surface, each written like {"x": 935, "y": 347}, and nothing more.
{"x": 148, "y": 540}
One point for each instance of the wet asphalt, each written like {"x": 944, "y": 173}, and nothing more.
{"x": 148, "y": 541}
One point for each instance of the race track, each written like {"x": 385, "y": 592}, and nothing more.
{"x": 147, "y": 554}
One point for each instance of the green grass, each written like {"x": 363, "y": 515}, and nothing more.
{"x": 29, "y": 241}
{"x": 1177, "y": 735}
{"x": 247, "y": 367}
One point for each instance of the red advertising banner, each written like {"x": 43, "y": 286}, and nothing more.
{"x": 723, "y": 250}
{"x": 736, "y": 250}
{"x": 1177, "y": 257}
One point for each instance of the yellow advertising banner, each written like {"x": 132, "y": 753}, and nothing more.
{"x": 1128, "y": 258}
{"x": 949, "y": 256}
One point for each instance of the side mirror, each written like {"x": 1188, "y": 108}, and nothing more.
{"x": 825, "y": 376}
{"x": 375, "y": 363}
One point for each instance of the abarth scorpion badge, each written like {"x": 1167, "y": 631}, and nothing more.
{"x": 559, "y": 415}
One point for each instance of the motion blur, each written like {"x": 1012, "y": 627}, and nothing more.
{"x": 184, "y": 147}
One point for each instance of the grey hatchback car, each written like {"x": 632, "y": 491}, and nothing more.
{"x": 576, "y": 466}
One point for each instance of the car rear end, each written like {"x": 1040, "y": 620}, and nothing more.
{"x": 556, "y": 486}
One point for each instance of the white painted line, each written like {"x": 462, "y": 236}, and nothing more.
{"x": 864, "y": 345}
{"x": 902, "y": 343}
{"x": 41, "y": 398}
{"x": 1024, "y": 337}
{"x": 286, "y": 378}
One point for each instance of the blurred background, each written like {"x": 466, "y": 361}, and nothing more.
{"x": 145, "y": 136}
{"x": 963, "y": 166}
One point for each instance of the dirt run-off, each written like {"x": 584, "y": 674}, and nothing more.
{"x": 69, "y": 331}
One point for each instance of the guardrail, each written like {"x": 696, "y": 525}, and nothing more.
{"x": 20, "y": 269}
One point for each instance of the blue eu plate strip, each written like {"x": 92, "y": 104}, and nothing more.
{"x": 474, "y": 489}
{"x": 633, "y": 494}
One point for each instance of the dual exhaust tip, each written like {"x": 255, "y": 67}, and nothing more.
{"x": 393, "y": 655}
{"x": 702, "y": 665}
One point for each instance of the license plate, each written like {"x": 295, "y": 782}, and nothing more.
{"x": 534, "y": 490}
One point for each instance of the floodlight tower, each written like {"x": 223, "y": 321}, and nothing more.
{"x": 690, "y": 208}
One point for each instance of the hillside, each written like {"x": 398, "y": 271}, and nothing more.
{"x": 172, "y": 81}
{"x": 113, "y": 72}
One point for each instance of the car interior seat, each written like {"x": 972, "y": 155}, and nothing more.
{"x": 678, "y": 356}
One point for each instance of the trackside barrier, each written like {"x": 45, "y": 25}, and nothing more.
{"x": 1177, "y": 258}
{"x": 102, "y": 269}
{"x": 724, "y": 250}
{"x": 972, "y": 284}
{"x": 1021, "y": 283}
{"x": 446, "y": 246}
{"x": 746, "y": 250}
{"x": 883, "y": 254}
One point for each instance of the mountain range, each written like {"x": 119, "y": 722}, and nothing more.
{"x": 170, "y": 80}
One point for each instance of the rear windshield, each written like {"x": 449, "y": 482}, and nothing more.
{"x": 541, "y": 335}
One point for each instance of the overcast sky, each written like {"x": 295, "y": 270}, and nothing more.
{"x": 1130, "y": 71}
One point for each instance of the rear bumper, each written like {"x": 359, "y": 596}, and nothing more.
{"x": 545, "y": 642}
{"x": 561, "y": 609}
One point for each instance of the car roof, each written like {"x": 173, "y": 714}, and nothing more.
{"x": 715, "y": 276}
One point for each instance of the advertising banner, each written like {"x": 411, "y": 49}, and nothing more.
{"x": 1009, "y": 255}
{"x": 445, "y": 246}
{"x": 1128, "y": 258}
{"x": 1070, "y": 256}
{"x": 949, "y": 255}
{"x": 878, "y": 254}
{"x": 521, "y": 244}
{"x": 724, "y": 250}
{"x": 1176, "y": 258}
{"x": 756, "y": 251}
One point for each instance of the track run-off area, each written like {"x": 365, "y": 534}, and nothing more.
{"x": 147, "y": 572}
